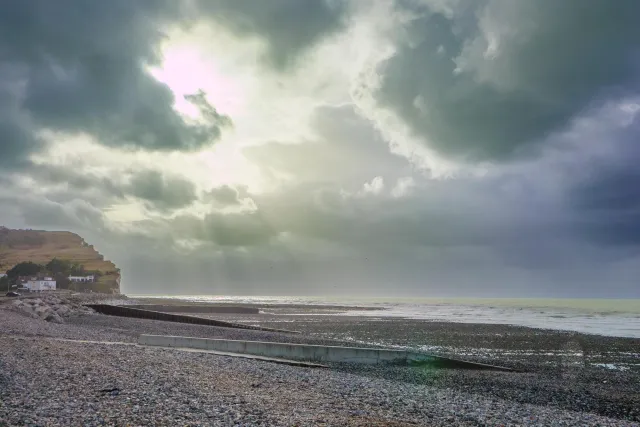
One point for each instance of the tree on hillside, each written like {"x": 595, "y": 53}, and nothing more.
{"x": 59, "y": 266}
{"x": 24, "y": 269}
{"x": 65, "y": 267}
{"x": 77, "y": 270}
{"x": 61, "y": 269}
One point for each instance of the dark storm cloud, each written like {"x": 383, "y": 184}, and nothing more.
{"x": 161, "y": 191}
{"x": 82, "y": 66}
{"x": 496, "y": 76}
{"x": 16, "y": 139}
{"x": 158, "y": 190}
{"x": 606, "y": 198}
{"x": 613, "y": 190}
{"x": 77, "y": 181}
{"x": 288, "y": 26}
{"x": 43, "y": 213}
{"x": 224, "y": 195}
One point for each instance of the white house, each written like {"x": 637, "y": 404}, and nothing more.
{"x": 39, "y": 285}
{"x": 82, "y": 279}
{"x": 3, "y": 275}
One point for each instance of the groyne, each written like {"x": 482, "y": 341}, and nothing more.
{"x": 126, "y": 311}
{"x": 193, "y": 308}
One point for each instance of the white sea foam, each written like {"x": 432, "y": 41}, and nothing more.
{"x": 570, "y": 319}
{"x": 593, "y": 316}
{"x": 612, "y": 366}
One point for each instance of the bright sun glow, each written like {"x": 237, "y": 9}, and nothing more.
{"x": 185, "y": 70}
{"x": 227, "y": 165}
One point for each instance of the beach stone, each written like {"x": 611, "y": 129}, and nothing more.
{"x": 42, "y": 311}
{"x": 42, "y": 308}
{"x": 63, "y": 310}
{"x": 54, "y": 318}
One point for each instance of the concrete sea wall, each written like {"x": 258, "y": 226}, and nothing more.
{"x": 316, "y": 353}
{"x": 281, "y": 350}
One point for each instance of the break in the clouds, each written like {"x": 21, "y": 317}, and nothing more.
{"x": 415, "y": 147}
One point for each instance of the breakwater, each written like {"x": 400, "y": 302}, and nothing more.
{"x": 126, "y": 311}
{"x": 202, "y": 309}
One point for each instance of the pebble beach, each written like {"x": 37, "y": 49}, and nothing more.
{"x": 87, "y": 370}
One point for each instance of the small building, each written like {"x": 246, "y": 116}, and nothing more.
{"x": 83, "y": 279}
{"x": 41, "y": 284}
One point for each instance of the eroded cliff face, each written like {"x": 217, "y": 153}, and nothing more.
{"x": 41, "y": 246}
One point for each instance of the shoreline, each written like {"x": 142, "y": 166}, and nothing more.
{"x": 581, "y": 321}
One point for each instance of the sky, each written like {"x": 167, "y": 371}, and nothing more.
{"x": 330, "y": 147}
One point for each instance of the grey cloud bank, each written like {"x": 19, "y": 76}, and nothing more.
{"x": 536, "y": 103}
{"x": 497, "y": 75}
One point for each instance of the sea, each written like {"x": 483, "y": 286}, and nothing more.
{"x": 610, "y": 317}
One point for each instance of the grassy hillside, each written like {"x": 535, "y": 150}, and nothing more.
{"x": 42, "y": 246}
